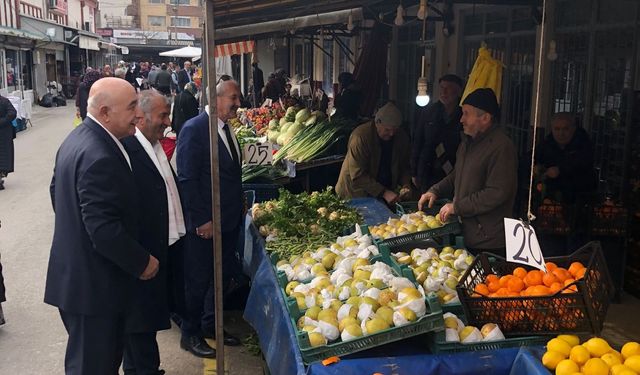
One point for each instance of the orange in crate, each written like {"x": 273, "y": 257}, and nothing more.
{"x": 533, "y": 278}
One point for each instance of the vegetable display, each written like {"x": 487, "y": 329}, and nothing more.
{"x": 294, "y": 223}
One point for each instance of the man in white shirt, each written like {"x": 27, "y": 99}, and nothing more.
{"x": 161, "y": 228}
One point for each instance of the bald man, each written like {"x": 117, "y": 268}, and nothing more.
{"x": 95, "y": 256}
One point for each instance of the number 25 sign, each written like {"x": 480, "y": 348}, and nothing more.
{"x": 258, "y": 153}
{"x": 522, "y": 244}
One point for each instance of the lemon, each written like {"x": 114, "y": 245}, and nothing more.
{"x": 633, "y": 362}
{"x": 612, "y": 359}
{"x": 551, "y": 359}
{"x": 572, "y": 340}
{"x": 579, "y": 354}
{"x": 630, "y": 349}
{"x": 628, "y": 372}
{"x": 597, "y": 347}
{"x": 595, "y": 366}
{"x": 619, "y": 369}
{"x": 567, "y": 367}
{"x": 559, "y": 346}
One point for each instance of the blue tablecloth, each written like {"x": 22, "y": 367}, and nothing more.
{"x": 268, "y": 315}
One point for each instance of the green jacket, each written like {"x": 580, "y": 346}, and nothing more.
{"x": 360, "y": 167}
{"x": 483, "y": 185}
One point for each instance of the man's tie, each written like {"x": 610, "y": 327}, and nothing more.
{"x": 232, "y": 145}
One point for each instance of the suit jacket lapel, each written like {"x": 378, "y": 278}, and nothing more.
{"x": 140, "y": 153}
{"x": 89, "y": 123}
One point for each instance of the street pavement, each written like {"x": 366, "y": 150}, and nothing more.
{"x": 33, "y": 340}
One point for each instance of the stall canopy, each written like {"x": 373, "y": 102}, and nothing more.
{"x": 221, "y": 50}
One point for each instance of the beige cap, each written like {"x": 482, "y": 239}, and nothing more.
{"x": 389, "y": 115}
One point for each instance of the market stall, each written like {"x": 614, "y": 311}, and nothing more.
{"x": 280, "y": 346}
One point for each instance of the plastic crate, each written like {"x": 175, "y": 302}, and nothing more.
{"x": 553, "y": 218}
{"x": 582, "y": 312}
{"x": 407, "y": 271}
{"x": 437, "y": 343}
{"x": 450, "y": 228}
{"x": 430, "y": 322}
{"x": 609, "y": 220}
{"x": 408, "y": 207}
{"x": 263, "y": 192}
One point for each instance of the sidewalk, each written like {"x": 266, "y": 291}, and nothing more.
{"x": 33, "y": 340}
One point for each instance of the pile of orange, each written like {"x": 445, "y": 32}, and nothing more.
{"x": 523, "y": 283}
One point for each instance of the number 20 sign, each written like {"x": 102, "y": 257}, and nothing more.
{"x": 522, "y": 244}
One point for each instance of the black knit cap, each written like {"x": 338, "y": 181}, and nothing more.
{"x": 484, "y": 99}
{"x": 452, "y": 78}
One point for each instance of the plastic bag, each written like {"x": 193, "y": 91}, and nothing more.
{"x": 77, "y": 121}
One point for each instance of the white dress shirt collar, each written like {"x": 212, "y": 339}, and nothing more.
{"x": 116, "y": 140}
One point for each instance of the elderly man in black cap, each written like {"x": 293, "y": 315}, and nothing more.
{"x": 377, "y": 161}
{"x": 436, "y": 136}
{"x": 484, "y": 179}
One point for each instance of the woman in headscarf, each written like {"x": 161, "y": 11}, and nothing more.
{"x": 82, "y": 95}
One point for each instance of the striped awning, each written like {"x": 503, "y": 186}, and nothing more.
{"x": 237, "y": 48}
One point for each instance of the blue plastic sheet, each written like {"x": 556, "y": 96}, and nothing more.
{"x": 372, "y": 210}
{"x": 268, "y": 315}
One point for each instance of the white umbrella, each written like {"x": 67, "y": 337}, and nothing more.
{"x": 183, "y": 52}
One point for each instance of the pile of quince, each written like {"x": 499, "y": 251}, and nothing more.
{"x": 325, "y": 259}
{"x": 438, "y": 272}
{"x": 408, "y": 223}
{"x": 595, "y": 356}
{"x": 457, "y": 331}
{"x": 356, "y": 299}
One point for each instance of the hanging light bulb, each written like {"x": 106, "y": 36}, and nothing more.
{"x": 399, "y": 12}
{"x": 350, "y": 22}
{"x": 553, "y": 54}
{"x": 422, "y": 98}
{"x": 422, "y": 10}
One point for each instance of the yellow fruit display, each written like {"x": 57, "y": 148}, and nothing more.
{"x": 579, "y": 354}
{"x": 595, "y": 366}
{"x": 551, "y": 359}
{"x": 612, "y": 359}
{"x": 559, "y": 346}
{"x": 633, "y": 362}
{"x": 630, "y": 349}
{"x": 597, "y": 347}
{"x": 567, "y": 367}
{"x": 572, "y": 340}
{"x": 619, "y": 369}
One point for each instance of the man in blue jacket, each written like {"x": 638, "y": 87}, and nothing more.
{"x": 95, "y": 257}
{"x": 194, "y": 174}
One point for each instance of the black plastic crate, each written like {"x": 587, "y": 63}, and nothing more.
{"x": 582, "y": 312}
{"x": 553, "y": 218}
{"x": 609, "y": 220}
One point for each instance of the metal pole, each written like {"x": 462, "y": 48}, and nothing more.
{"x": 209, "y": 49}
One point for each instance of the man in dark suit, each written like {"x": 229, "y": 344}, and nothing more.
{"x": 161, "y": 227}
{"x": 185, "y": 107}
{"x": 95, "y": 256}
{"x": 185, "y": 75}
{"x": 194, "y": 174}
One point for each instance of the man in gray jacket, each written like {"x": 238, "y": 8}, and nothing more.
{"x": 483, "y": 182}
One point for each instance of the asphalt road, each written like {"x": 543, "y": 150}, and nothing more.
{"x": 33, "y": 340}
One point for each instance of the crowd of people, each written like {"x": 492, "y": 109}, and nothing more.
{"x": 132, "y": 240}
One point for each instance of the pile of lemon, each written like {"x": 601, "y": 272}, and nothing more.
{"x": 595, "y": 356}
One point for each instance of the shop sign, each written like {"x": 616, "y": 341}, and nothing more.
{"x": 522, "y": 244}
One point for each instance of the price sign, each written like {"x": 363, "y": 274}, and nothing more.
{"x": 522, "y": 244}
{"x": 257, "y": 153}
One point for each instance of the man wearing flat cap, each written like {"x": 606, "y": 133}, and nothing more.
{"x": 377, "y": 162}
{"x": 436, "y": 136}
{"x": 483, "y": 182}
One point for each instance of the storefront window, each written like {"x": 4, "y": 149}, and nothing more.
{"x": 12, "y": 70}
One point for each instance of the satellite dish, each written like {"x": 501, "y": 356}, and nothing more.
{"x": 51, "y": 32}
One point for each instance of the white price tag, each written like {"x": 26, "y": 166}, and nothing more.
{"x": 257, "y": 153}
{"x": 522, "y": 244}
